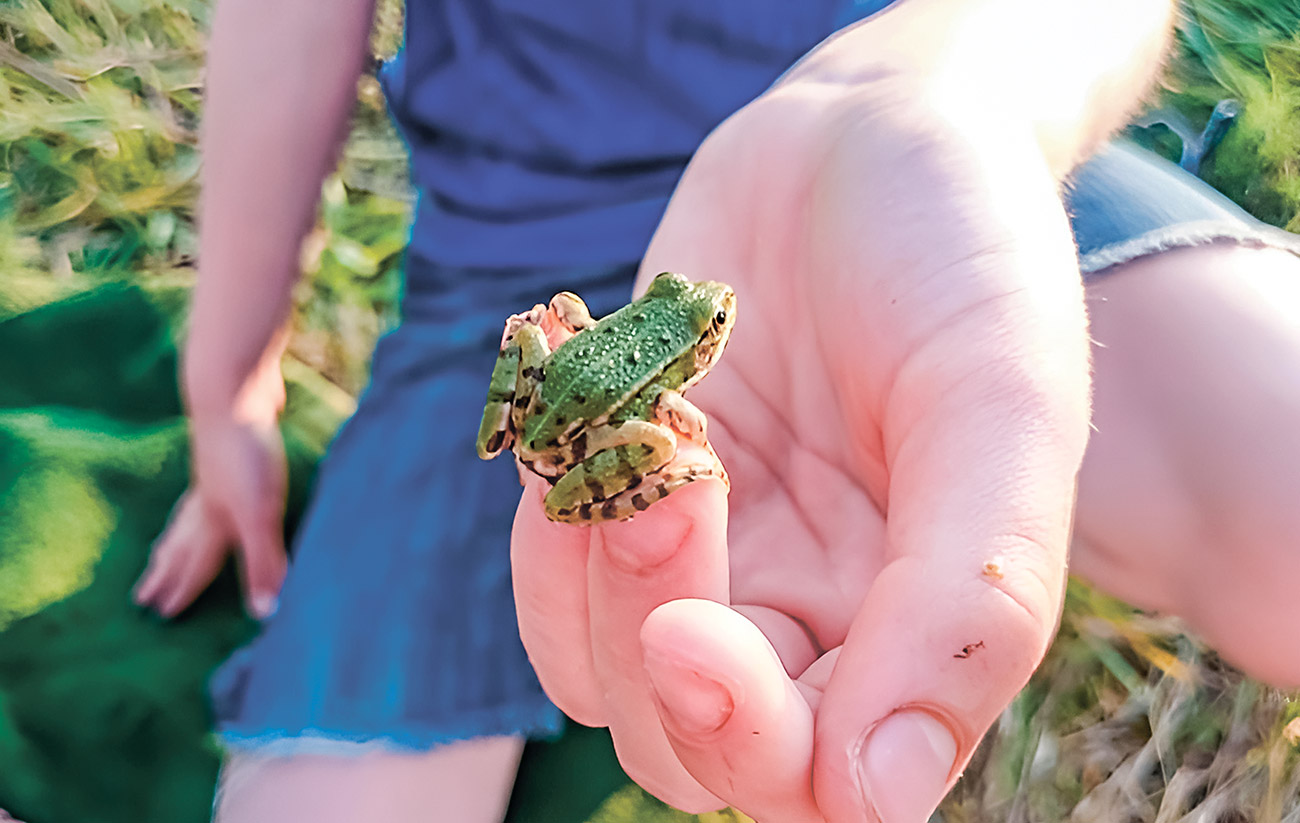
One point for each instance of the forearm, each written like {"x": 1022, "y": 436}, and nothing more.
{"x": 1071, "y": 70}
{"x": 281, "y": 83}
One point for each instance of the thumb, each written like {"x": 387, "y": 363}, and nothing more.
{"x": 930, "y": 661}
{"x": 981, "y": 493}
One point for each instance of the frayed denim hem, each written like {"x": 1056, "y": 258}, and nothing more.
{"x": 1187, "y": 235}
{"x": 529, "y": 722}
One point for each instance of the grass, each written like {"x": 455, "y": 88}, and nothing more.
{"x": 1247, "y": 50}
{"x": 1129, "y": 719}
{"x": 99, "y": 169}
{"x": 1132, "y": 719}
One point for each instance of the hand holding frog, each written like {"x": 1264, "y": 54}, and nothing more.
{"x": 902, "y": 411}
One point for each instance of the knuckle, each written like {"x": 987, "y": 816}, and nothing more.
{"x": 1030, "y": 576}
{"x": 643, "y": 547}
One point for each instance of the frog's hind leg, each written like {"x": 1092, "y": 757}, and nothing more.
{"x": 682, "y": 470}
{"x": 533, "y": 351}
{"x": 647, "y": 489}
{"x": 497, "y": 432}
{"x": 509, "y": 390}
{"x": 607, "y": 461}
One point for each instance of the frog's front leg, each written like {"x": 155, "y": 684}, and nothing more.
{"x": 671, "y": 409}
{"x": 674, "y": 410}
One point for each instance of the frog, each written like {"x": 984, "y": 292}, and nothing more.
{"x": 595, "y": 407}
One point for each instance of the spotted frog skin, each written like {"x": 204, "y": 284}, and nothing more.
{"x": 598, "y": 416}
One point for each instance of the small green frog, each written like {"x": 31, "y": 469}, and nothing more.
{"x": 596, "y": 416}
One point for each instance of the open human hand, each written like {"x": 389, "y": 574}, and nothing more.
{"x": 235, "y": 504}
{"x": 902, "y": 410}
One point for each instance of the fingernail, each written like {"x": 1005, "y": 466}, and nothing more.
{"x": 694, "y": 703}
{"x": 263, "y": 605}
{"x": 904, "y": 766}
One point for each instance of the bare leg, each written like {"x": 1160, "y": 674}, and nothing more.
{"x": 1189, "y": 498}
{"x": 467, "y": 782}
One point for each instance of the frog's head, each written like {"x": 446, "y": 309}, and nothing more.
{"x": 710, "y": 310}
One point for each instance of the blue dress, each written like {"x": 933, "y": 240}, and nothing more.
{"x": 546, "y": 137}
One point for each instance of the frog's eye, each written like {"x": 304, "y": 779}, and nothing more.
{"x": 720, "y": 318}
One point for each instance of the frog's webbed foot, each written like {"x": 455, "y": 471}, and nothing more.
{"x": 671, "y": 409}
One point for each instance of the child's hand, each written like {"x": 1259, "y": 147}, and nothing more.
{"x": 902, "y": 410}
{"x": 235, "y": 503}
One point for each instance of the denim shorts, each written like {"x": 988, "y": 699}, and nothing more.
{"x": 1127, "y": 202}
{"x": 396, "y": 626}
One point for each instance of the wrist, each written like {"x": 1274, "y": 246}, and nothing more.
{"x": 964, "y": 61}
{"x": 217, "y": 389}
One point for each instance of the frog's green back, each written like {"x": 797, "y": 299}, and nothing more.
{"x": 597, "y": 370}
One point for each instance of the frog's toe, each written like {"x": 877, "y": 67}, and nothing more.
{"x": 681, "y": 415}
{"x": 515, "y": 322}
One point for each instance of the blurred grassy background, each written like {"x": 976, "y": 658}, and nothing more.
{"x": 1129, "y": 719}
{"x": 100, "y": 104}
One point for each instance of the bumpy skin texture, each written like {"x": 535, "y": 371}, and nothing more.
{"x": 595, "y": 407}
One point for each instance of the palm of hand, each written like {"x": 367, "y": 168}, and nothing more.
{"x": 841, "y": 353}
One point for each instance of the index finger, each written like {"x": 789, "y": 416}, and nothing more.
{"x": 582, "y": 593}
{"x": 549, "y": 570}
{"x": 674, "y": 550}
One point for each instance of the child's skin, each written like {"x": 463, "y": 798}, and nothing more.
{"x": 903, "y": 410}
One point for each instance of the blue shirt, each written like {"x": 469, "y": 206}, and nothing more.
{"x": 552, "y": 132}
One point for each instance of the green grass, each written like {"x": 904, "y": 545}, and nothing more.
{"x": 1129, "y": 719}
{"x": 99, "y": 165}
{"x": 1249, "y": 51}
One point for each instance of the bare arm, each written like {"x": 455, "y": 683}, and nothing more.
{"x": 281, "y": 82}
